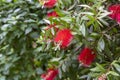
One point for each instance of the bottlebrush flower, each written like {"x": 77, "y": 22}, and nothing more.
{"x": 50, "y": 75}
{"x": 118, "y": 18}
{"x": 102, "y": 77}
{"x": 50, "y": 3}
{"x": 52, "y": 14}
{"x": 64, "y": 37}
{"x": 86, "y": 57}
{"x": 115, "y": 12}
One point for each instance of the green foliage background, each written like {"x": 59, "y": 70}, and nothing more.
{"x": 25, "y": 55}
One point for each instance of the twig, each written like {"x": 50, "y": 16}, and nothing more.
{"x": 109, "y": 28}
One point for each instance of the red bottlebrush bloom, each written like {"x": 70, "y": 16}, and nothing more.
{"x": 52, "y": 14}
{"x": 64, "y": 37}
{"x": 118, "y": 18}
{"x": 102, "y": 77}
{"x": 115, "y": 12}
{"x": 50, "y": 75}
{"x": 86, "y": 57}
{"x": 50, "y": 3}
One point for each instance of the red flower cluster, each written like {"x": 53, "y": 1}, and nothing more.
{"x": 50, "y": 3}
{"x": 115, "y": 12}
{"x": 64, "y": 37}
{"x": 86, "y": 57}
{"x": 52, "y": 14}
{"x": 50, "y": 75}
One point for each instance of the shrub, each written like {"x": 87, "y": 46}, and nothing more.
{"x": 68, "y": 40}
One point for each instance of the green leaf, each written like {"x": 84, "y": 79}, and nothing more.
{"x": 5, "y": 27}
{"x": 83, "y": 30}
{"x": 39, "y": 71}
{"x": 66, "y": 19}
{"x": 112, "y": 73}
{"x": 28, "y": 30}
{"x": 96, "y": 69}
{"x": 64, "y": 67}
{"x": 55, "y": 59}
{"x": 100, "y": 67}
{"x": 101, "y": 45}
{"x": 117, "y": 67}
{"x": 2, "y": 78}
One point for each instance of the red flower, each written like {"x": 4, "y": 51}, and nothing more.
{"x": 52, "y": 14}
{"x": 64, "y": 37}
{"x": 115, "y": 12}
{"x": 86, "y": 57}
{"x": 102, "y": 77}
{"x": 50, "y": 3}
{"x": 50, "y": 75}
{"x": 118, "y": 18}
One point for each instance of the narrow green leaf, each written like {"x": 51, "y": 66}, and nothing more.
{"x": 83, "y": 30}
{"x": 101, "y": 45}
{"x": 112, "y": 73}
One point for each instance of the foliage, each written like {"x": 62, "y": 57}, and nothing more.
{"x": 27, "y": 50}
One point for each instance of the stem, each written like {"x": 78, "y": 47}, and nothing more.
{"x": 109, "y": 28}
